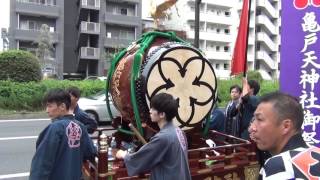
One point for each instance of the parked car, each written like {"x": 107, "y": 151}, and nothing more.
{"x": 95, "y": 106}
{"x": 102, "y": 78}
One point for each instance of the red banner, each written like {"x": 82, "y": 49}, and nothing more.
{"x": 239, "y": 62}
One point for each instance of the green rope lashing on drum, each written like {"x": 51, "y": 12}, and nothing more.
{"x": 114, "y": 63}
{"x": 169, "y": 35}
{"x": 134, "y": 76}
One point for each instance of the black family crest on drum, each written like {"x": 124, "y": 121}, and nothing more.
{"x": 182, "y": 71}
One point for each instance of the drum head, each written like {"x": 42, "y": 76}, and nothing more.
{"x": 184, "y": 73}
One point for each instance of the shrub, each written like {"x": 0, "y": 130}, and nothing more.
{"x": 224, "y": 85}
{"x": 19, "y": 66}
{"x": 28, "y": 95}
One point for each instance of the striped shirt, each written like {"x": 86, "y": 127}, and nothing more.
{"x": 302, "y": 162}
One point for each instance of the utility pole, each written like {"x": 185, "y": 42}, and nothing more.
{"x": 196, "y": 23}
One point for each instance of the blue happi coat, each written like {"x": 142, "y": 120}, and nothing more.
{"x": 60, "y": 150}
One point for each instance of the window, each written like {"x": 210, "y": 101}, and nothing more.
{"x": 191, "y": 26}
{"x": 51, "y": 29}
{"x": 51, "y": 2}
{"x": 124, "y": 34}
{"x": 32, "y": 25}
{"x": 225, "y": 66}
{"x": 218, "y": 30}
{"x": 226, "y": 49}
{"x": 258, "y": 29}
{"x": 217, "y": 48}
{"x": 226, "y": 31}
{"x": 217, "y": 66}
{"x": 123, "y": 11}
{"x": 108, "y": 34}
{"x": 258, "y": 46}
{"x": 257, "y": 65}
{"x": 227, "y": 13}
{"x": 24, "y": 25}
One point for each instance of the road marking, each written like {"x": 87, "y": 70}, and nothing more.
{"x": 23, "y": 120}
{"x": 17, "y": 138}
{"x": 7, "y": 176}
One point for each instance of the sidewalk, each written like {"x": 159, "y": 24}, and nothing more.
{"x": 24, "y": 115}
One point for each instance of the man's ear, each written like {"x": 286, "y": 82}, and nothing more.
{"x": 287, "y": 126}
{"x": 63, "y": 106}
{"x": 162, "y": 115}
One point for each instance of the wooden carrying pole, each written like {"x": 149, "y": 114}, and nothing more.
{"x": 136, "y": 132}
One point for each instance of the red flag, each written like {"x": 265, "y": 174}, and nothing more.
{"x": 239, "y": 61}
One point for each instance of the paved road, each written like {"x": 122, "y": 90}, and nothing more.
{"x": 17, "y": 146}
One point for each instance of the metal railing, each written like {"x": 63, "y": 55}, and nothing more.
{"x": 90, "y": 52}
{"x": 91, "y": 3}
{"x": 37, "y": 2}
{"x": 90, "y": 27}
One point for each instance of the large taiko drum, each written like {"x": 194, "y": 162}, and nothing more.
{"x": 166, "y": 66}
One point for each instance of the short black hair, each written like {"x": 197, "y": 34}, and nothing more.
{"x": 74, "y": 91}
{"x": 285, "y": 107}
{"x": 58, "y": 96}
{"x": 165, "y": 103}
{"x": 254, "y": 85}
{"x": 237, "y": 87}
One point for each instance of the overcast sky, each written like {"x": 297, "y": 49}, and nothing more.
{"x": 4, "y": 13}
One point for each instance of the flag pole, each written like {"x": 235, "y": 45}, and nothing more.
{"x": 247, "y": 43}
{"x": 197, "y": 23}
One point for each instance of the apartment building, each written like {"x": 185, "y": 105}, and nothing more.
{"x": 85, "y": 33}
{"x": 219, "y": 21}
{"x": 268, "y": 38}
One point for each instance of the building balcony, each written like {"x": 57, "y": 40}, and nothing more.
{"x": 265, "y": 21}
{"x": 117, "y": 42}
{"x": 32, "y": 35}
{"x": 225, "y": 3}
{"x": 213, "y": 18}
{"x": 210, "y": 36}
{"x": 265, "y": 75}
{"x": 32, "y": 8}
{"x": 128, "y": 1}
{"x": 222, "y": 74}
{"x": 122, "y": 19}
{"x": 269, "y": 9}
{"x": 268, "y": 43}
{"x": 240, "y": 5}
{"x": 211, "y": 54}
{"x": 90, "y": 27}
{"x": 89, "y": 53}
{"x": 266, "y": 59}
{"x": 90, "y": 4}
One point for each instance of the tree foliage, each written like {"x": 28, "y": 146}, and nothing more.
{"x": 20, "y": 66}
{"x": 45, "y": 47}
